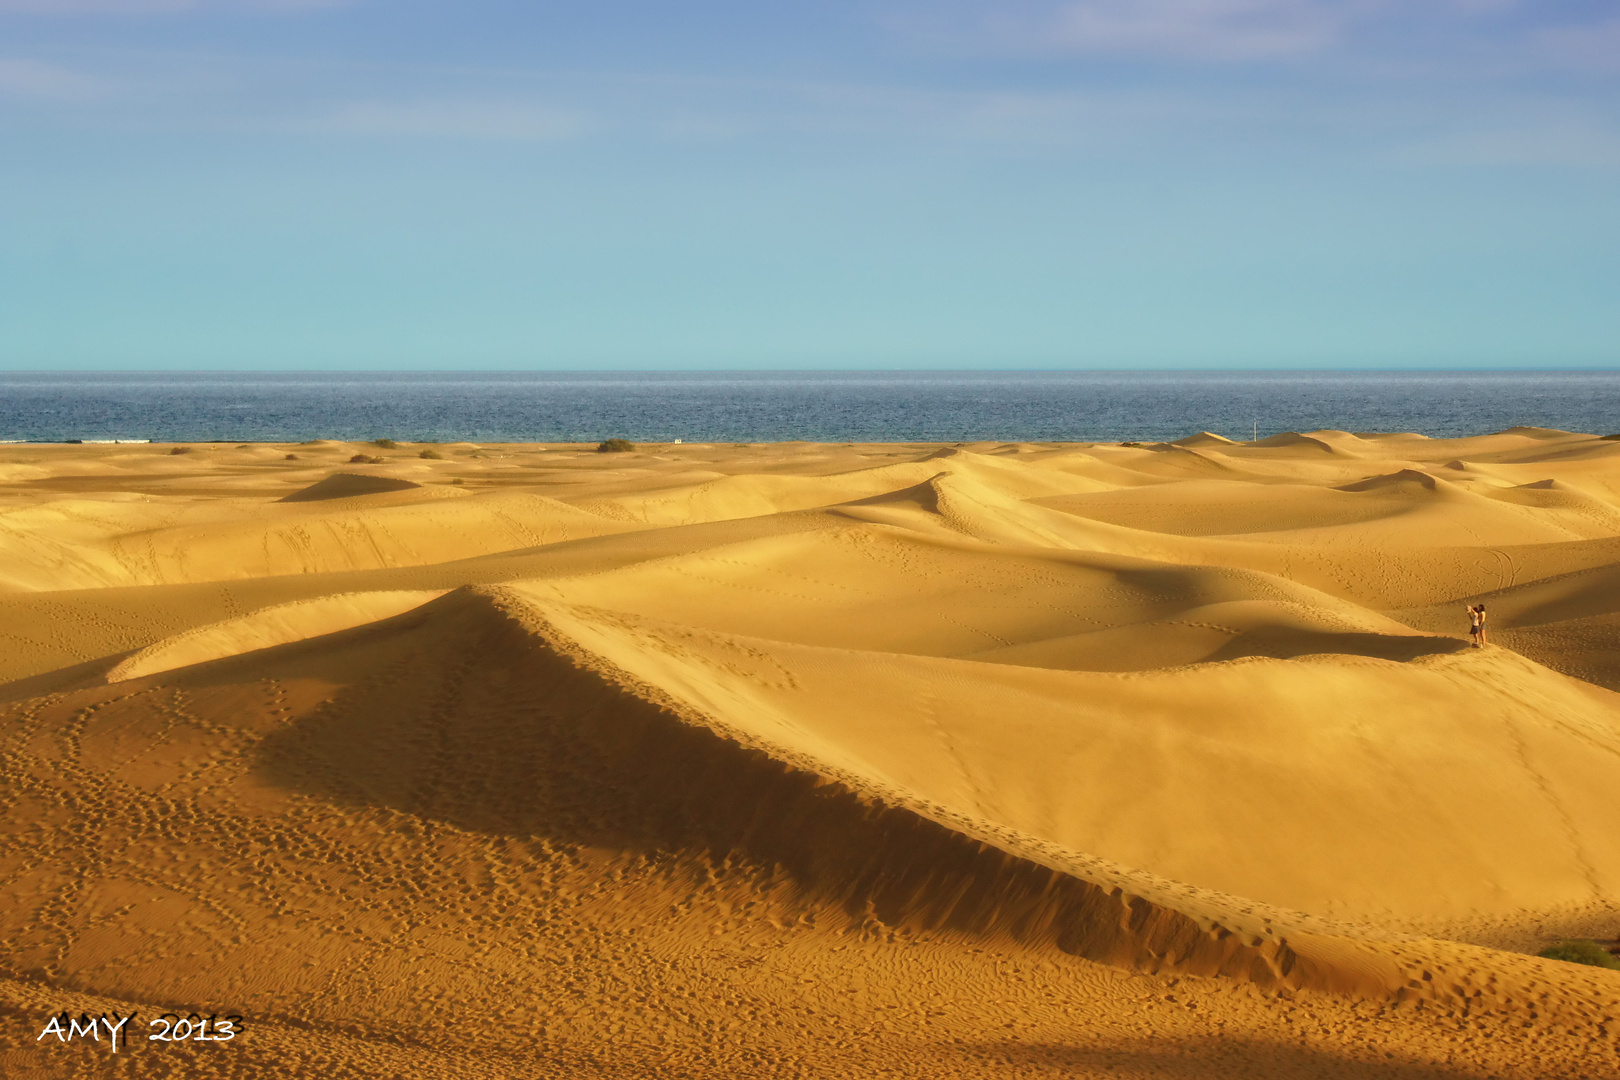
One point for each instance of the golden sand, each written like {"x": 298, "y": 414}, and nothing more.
{"x": 801, "y": 760}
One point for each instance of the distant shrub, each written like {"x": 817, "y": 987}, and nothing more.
{"x": 459, "y": 480}
{"x": 431, "y": 455}
{"x": 615, "y": 446}
{"x": 180, "y": 449}
{"x": 386, "y": 444}
{"x": 365, "y": 459}
{"x": 292, "y": 457}
{"x": 1134, "y": 445}
{"x": 1581, "y": 952}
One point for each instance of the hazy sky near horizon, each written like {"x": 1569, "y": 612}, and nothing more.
{"x": 895, "y": 183}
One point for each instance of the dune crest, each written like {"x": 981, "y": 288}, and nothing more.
{"x": 1293, "y": 440}
{"x": 1405, "y": 478}
{"x": 1203, "y": 438}
{"x": 266, "y": 628}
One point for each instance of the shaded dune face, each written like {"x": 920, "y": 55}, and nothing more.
{"x": 969, "y": 761}
{"x": 348, "y": 485}
{"x": 588, "y": 761}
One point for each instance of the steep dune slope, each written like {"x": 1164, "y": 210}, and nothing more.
{"x": 1493, "y": 755}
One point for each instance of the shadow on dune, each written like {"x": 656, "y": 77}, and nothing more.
{"x": 1207, "y": 1059}
{"x": 460, "y": 714}
{"x": 347, "y": 486}
{"x": 1404, "y": 479}
{"x": 1172, "y": 643}
{"x": 90, "y": 673}
{"x": 1586, "y": 649}
{"x": 1286, "y": 644}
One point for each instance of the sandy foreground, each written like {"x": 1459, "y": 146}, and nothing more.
{"x": 990, "y": 760}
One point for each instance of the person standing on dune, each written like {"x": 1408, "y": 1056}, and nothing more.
{"x": 1476, "y": 624}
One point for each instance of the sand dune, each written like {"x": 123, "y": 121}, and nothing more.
{"x": 1405, "y": 481}
{"x": 348, "y": 485}
{"x": 707, "y": 761}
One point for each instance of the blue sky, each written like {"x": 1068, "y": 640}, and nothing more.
{"x": 960, "y": 183}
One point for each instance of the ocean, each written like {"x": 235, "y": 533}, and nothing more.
{"x": 822, "y": 406}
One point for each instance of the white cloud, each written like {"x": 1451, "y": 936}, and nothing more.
{"x": 1235, "y": 31}
{"x": 157, "y": 7}
{"x": 31, "y": 78}
{"x": 1200, "y": 29}
{"x": 1216, "y": 30}
{"x": 451, "y": 119}
{"x": 81, "y": 7}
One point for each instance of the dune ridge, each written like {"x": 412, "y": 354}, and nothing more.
{"x": 349, "y": 485}
{"x": 921, "y": 865}
{"x": 870, "y": 848}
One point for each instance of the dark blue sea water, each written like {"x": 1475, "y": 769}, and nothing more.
{"x": 774, "y": 406}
